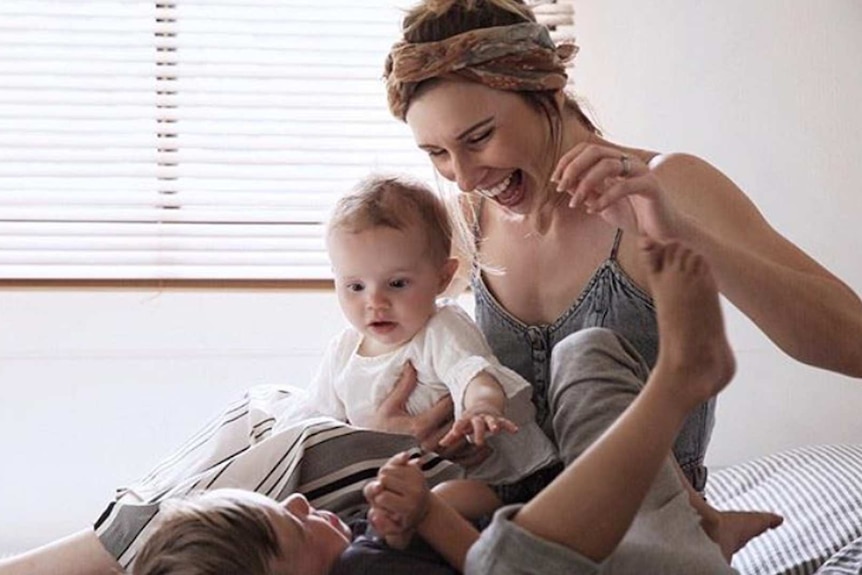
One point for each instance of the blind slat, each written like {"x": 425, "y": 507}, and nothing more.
{"x": 196, "y": 139}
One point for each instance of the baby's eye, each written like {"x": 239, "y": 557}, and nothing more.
{"x": 399, "y": 283}
{"x": 355, "y": 287}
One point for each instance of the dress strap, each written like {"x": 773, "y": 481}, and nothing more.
{"x": 477, "y": 216}
{"x": 476, "y": 232}
{"x": 616, "y": 246}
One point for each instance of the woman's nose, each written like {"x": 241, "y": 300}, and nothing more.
{"x": 467, "y": 175}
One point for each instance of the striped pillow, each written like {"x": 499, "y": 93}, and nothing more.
{"x": 818, "y": 490}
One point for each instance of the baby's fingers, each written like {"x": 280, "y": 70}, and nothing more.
{"x": 460, "y": 430}
{"x": 502, "y": 424}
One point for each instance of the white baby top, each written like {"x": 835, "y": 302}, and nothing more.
{"x": 447, "y": 354}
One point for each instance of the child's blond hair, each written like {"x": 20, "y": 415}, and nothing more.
{"x": 395, "y": 202}
{"x": 210, "y": 534}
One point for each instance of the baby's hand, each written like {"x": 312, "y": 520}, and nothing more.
{"x": 398, "y": 498}
{"x": 476, "y": 423}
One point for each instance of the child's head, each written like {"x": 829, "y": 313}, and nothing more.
{"x": 228, "y": 531}
{"x": 390, "y": 243}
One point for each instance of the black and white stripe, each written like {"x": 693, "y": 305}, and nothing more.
{"x": 267, "y": 442}
{"x": 818, "y": 490}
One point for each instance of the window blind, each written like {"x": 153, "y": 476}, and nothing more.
{"x": 190, "y": 139}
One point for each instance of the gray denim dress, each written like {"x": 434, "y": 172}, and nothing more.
{"x": 610, "y": 300}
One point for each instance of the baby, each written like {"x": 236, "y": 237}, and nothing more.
{"x": 390, "y": 244}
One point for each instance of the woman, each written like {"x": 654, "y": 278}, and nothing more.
{"x": 481, "y": 87}
{"x": 505, "y": 128}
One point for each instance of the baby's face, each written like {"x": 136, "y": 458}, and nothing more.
{"x": 310, "y": 539}
{"x": 387, "y": 284}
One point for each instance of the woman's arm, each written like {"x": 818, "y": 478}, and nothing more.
{"x": 807, "y": 311}
{"x": 803, "y": 308}
{"x": 78, "y": 554}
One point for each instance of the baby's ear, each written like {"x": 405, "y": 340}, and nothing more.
{"x": 447, "y": 272}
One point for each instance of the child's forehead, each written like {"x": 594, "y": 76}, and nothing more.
{"x": 381, "y": 237}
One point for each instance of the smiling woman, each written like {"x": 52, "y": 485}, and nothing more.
{"x": 765, "y": 90}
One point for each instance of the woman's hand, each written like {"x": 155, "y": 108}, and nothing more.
{"x": 429, "y": 427}
{"x": 619, "y": 187}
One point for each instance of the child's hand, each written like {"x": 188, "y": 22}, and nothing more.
{"x": 476, "y": 423}
{"x": 399, "y": 499}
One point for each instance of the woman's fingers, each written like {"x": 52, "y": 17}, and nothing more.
{"x": 392, "y": 413}
{"x": 438, "y": 417}
{"x": 397, "y": 398}
{"x": 589, "y": 169}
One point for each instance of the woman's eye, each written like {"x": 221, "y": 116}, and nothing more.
{"x": 436, "y": 153}
{"x": 481, "y": 137}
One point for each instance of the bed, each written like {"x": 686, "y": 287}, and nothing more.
{"x": 817, "y": 489}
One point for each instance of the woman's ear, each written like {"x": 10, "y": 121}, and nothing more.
{"x": 447, "y": 272}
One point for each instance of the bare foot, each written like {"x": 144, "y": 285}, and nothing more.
{"x": 732, "y": 530}
{"x": 692, "y": 340}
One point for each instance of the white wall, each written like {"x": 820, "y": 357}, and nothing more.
{"x": 768, "y": 91}
{"x": 97, "y": 385}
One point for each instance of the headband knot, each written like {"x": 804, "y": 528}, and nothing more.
{"x": 520, "y": 57}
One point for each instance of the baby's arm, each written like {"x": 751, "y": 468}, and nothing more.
{"x": 484, "y": 406}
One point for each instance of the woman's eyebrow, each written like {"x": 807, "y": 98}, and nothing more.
{"x": 476, "y": 126}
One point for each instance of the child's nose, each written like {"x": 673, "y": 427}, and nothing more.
{"x": 297, "y": 504}
{"x": 377, "y": 299}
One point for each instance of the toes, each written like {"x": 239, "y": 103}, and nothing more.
{"x": 653, "y": 253}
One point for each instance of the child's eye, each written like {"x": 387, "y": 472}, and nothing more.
{"x": 399, "y": 283}
{"x": 355, "y": 287}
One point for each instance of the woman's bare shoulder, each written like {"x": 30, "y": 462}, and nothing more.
{"x": 678, "y": 163}
{"x": 687, "y": 177}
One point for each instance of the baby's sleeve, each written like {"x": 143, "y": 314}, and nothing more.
{"x": 459, "y": 352}
{"x": 325, "y": 400}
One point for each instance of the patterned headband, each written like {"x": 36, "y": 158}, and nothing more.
{"x": 521, "y": 57}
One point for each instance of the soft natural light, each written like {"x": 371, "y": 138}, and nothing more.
{"x": 188, "y": 139}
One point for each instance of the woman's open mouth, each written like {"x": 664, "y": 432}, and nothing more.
{"x": 508, "y": 191}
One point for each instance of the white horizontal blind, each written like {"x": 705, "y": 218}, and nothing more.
{"x": 189, "y": 139}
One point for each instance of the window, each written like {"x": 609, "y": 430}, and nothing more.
{"x": 189, "y": 139}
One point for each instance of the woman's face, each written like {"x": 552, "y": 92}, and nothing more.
{"x": 485, "y": 140}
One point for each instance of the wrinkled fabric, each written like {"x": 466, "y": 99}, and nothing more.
{"x": 521, "y": 57}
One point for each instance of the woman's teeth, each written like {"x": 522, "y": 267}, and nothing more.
{"x": 498, "y": 189}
